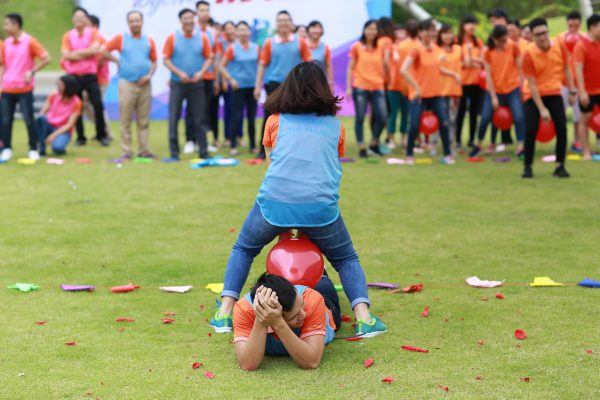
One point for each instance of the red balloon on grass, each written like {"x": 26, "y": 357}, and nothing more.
{"x": 429, "y": 123}
{"x": 482, "y": 80}
{"x": 594, "y": 121}
{"x": 296, "y": 259}
{"x": 546, "y": 131}
{"x": 502, "y": 118}
{"x": 571, "y": 40}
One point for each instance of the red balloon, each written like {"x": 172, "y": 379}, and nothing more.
{"x": 594, "y": 121}
{"x": 296, "y": 259}
{"x": 546, "y": 131}
{"x": 483, "y": 80}
{"x": 571, "y": 40}
{"x": 429, "y": 123}
{"x": 502, "y": 118}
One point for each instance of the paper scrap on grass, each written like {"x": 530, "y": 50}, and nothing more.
{"x": 476, "y": 159}
{"x": 24, "y": 287}
{"x": 396, "y": 161}
{"x": 520, "y": 334}
{"x": 383, "y": 285}
{"x": 55, "y": 161}
{"x": 574, "y": 157}
{"x": 176, "y": 289}
{"x": 544, "y": 281}
{"x": 502, "y": 159}
{"x": 587, "y": 282}
{"x": 216, "y": 162}
{"x": 83, "y": 161}
{"x": 476, "y": 282}
{"x": 124, "y": 289}
{"x": 423, "y": 161}
{"x": 77, "y": 288}
{"x": 255, "y": 161}
{"x": 415, "y": 349}
{"x": 143, "y": 160}
{"x": 26, "y": 161}
{"x": 215, "y": 287}
{"x": 549, "y": 158}
{"x": 345, "y": 160}
{"x": 596, "y": 157}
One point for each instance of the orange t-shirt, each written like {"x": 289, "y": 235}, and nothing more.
{"x": 397, "y": 82}
{"x": 404, "y": 49}
{"x": 561, "y": 39}
{"x": 314, "y": 323}
{"x": 503, "y": 67}
{"x": 547, "y": 67}
{"x": 36, "y": 50}
{"x": 368, "y": 73}
{"x": 272, "y": 130}
{"x": 170, "y": 43}
{"x": 470, "y": 75}
{"x": 587, "y": 53}
{"x": 426, "y": 71}
{"x": 116, "y": 43}
{"x": 452, "y": 60}
{"x": 267, "y": 49}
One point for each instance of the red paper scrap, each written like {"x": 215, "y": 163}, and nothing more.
{"x": 415, "y": 348}
{"x": 444, "y": 388}
{"x": 499, "y": 296}
{"x": 387, "y": 379}
{"x": 520, "y": 334}
{"x": 124, "y": 319}
{"x": 40, "y": 322}
{"x": 209, "y": 375}
{"x": 167, "y": 320}
{"x": 346, "y": 318}
{"x": 368, "y": 362}
{"x": 169, "y": 314}
{"x": 353, "y": 339}
{"x": 425, "y": 312}
{"x": 71, "y": 343}
{"x": 525, "y": 379}
{"x": 196, "y": 365}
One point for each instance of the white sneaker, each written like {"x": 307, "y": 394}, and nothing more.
{"x": 33, "y": 155}
{"x": 188, "y": 148}
{"x": 418, "y": 150}
{"x": 212, "y": 149}
{"x": 501, "y": 148}
{"x": 410, "y": 161}
{"x": 6, "y": 155}
{"x": 233, "y": 152}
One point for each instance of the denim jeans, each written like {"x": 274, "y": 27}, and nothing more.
{"x": 398, "y": 103}
{"x": 240, "y": 99}
{"x": 333, "y": 240}
{"x": 376, "y": 98}
{"x": 59, "y": 144}
{"x": 513, "y": 101}
{"x": 8, "y": 105}
{"x": 193, "y": 94}
{"x": 326, "y": 288}
{"x": 439, "y": 105}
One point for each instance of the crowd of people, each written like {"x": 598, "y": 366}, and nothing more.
{"x": 397, "y": 71}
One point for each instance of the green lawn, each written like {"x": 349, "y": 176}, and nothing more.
{"x": 160, "y": 224}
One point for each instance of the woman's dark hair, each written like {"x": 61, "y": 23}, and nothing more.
{"x": 593, "y": 20}
{"x": 363, "y": 38}
{"x": 537, "y": 22}
{"x": 444, "y": 29}
{"x": 412, "y": 28}
{"x": 426, "y": 25}
{"x": 304, "y": 91}
{"x": 297, "y": 28}
{"x": 467, "y": 19}
{"x": 385, "y": 26}
{"x": 15, "y": 18}
{"x": 498, "y": 32}
{"x": 315, "y": 23}
{"x": 242, "y": 22}
{"x": 95, "y": 21}
{"x": 228, "y": 22}
{"x": 286, "y": 292}
{"x": 71, "y": 85}
{"x": 515, "y": 22}
{"x": 83, "y": 10}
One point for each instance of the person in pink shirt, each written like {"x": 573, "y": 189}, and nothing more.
{"x": 59, "y": 116}
{"x": 18, "y": 66}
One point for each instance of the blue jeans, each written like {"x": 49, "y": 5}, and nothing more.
{"x": 513, "y": 101}
{"x": 439, "y": 106}
{"x": 8, "y": 105}
{"x": 379, "y": 107}
{"x": 333, "y": 240}
{"x": 398, "y": 103}
{"x": 59, "y": 144}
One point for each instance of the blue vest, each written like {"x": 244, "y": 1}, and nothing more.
{"x": 187, "y": 53}
{"x": 284, "y": 57}
{"x": 301, "y": 186}
{"x": 274, "y": 346}
{"x": 318, "y": 54}
{"x": 244, "y": 65}
{"x": 135, "y": 58}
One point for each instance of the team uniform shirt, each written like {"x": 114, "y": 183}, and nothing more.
{"x": 452, "y": 60}
{"x": 320, "y": 52}
{"x": 73, "y": 41}
{"x": 318, "y": 321}
{"x": 242, "y": 63}
{"x": 368, "y": 73}
{"x": 281, "y": 55}
{"x": 561, "y": 39}
{"x": 470, "y": 75}
{"x": 211, "y": 34}
{"x": 18, "y": 57}
{"x": 587, "y": 53}
{"x": 404, "y": 49}
{"x": 503, "y": 67}
{"x": 103, "y": 70}
{"x": 425, "y": 70}
{"x": 385, "y": 43}
{"x": 187, "y": 52}
{"x": 61, "y": 109}
{"x": 547, "y": 67}
{"x": 137, "y": 55}
{"x": 397, "y": 82}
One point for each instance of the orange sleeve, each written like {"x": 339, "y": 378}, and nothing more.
{"x": 528, "y": 68}
{"x": 1, "y": 52}
{"x": 487, "y": 56}
{"x": 206, "y": 50}
{"x": 169, "y": 45}
{"x": 327, "y": 55}
{"x": 78, "y": 108}
{"x": 579, "y": 53}
{"x": 265, "y": 53}
{"x": 229, "y": 53}
{"x": 305, "y": 52}
{"x": 353, "y": 54}
{"x": 565, "y": 52}
{"x": 66, "y": 44}
{"x": 153, "y": 56}
{"x": 414, "y": 54}
{"x": 243, "y": 320}
{"x": 516, "y": 50}
{"x": 36, "y": 49}
{"x": 96, "y": 38}
{"x": 314, "y": 306}
{"x": 116, "y": 43}
{"x": 271, "y": 131}
{"x": 342, "y": 141}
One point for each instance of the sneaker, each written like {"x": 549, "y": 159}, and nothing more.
{"x": 375, "y": 150}
{"x": 474, "y": 151}
{"x": 80, "y": 141}
{"x": 410, "y": 161}
{"x": 188, "y": 148}
{"x": 221, "y": 323}
{"x": 433, "y": 150}
{"x": 204, "y": 155}
{"x": 491, "y": 149}
{"x": 561, "y": 172}
{"x": 170, "y": 160}
{"x": 384, "y": 149}
{"x": 418, "y": 150}
{"x": 146, "y": 154}
{"x": 527, "y": 172}
{"x": 212, "y": 149}
{"x": 33, "y": 155}
{"x": 104, "y": 142}
{"x": 370, "y": 329}
{"x": 363, "y": 153}
{"x": 391, "y": 144}
{"x": 501, "y": 148}
{"x": 233, "y": 152}
{"x": 6, "y": 155}
{"x": 448, "y": 160}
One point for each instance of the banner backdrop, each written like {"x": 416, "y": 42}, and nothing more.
{"x": 342, "y": 20}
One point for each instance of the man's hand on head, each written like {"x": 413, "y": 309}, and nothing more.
{"x": 267, "y": 308}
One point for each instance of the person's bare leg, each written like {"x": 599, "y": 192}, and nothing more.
{"x": 361, "y": 312}
{"x": 226, "y": 305}
{"x": 583, "y": 136}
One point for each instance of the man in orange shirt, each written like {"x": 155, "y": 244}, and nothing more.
{"x": 544, "y": 65}
{"x": 587, "y": 67}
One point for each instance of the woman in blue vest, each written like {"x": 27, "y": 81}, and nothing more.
{"x": 303, "y": 142}
{"x": 238, "y": 69}
{"x": 319, "y": 50}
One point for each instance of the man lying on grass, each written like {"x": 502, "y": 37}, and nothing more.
{"x": 279, "y": 318}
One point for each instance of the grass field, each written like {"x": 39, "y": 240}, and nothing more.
{"x": 159, "y": 224}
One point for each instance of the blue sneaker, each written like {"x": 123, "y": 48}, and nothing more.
{"x": 370, "y": 329}
{"x": 170, "y": 160}
{"x": 221, "y": 323}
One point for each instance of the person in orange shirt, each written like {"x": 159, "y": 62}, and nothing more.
{"x": 424, "y": 73}
{"x": 503, "y": 73}
{"x": 397, "y": 101}
{"x": 515, "y": 33}
{"x": 404, "y": 49}
{"x": 587, "y": 65}
{"x": 472, "y": 67}
{"x": 452, "y": 88}
{"x": 365, "y": 82}
{"x": 544, "y": 65}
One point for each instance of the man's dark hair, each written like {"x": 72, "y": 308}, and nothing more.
{"x": 363, "y": 38}
{"x": 574, "y": 15}
{"x": 498, "y": 32}
{"x": 426, "y": 25}
{"x": 185, "y": 11}
{"x": 314, "y": 23}
{"x": 71, "y": 85}
{"x": 304, "y": 91}
{"x": 593, "y": 20}
{"x": 284, "y": 12}
{"x": 385, "y": 25}
{"x": 202, "y": 3}
{"x": 412, "y": 28}
{"x": 286, "y": 292}
{"x": 15, "y": 18}
{"x": 297, "y": 28}
{"x": 537, "y": 22}
{"x": 130, "y": 13}
{"x": 498, "y": 13}
{"x": 83, "y": 10}
{"x": 515, "y": 22}
{"x": 95, "y": 21}
{"x": 242, "y": 22}
{"x": 228, "y": 22}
